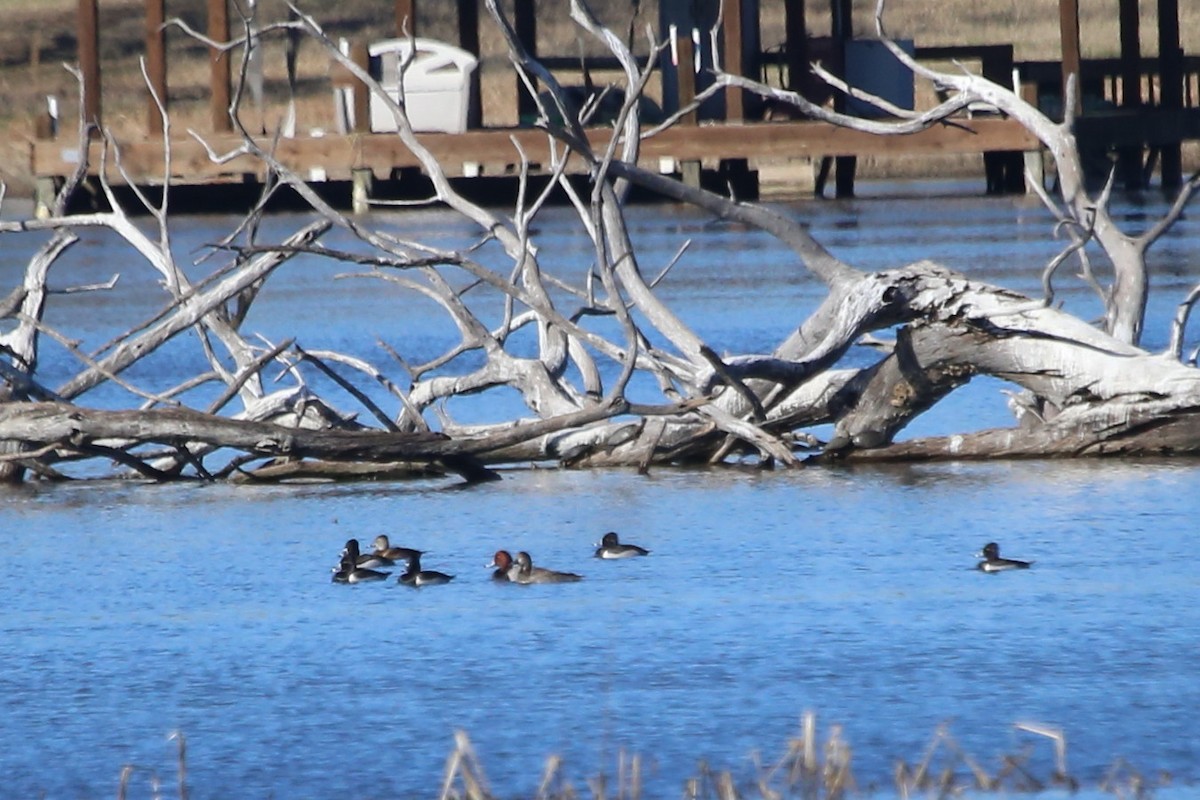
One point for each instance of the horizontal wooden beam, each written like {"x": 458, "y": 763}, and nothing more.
{"x": 492, "y": 151}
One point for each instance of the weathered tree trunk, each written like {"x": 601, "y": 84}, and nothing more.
{"x": 1077, "y": 390}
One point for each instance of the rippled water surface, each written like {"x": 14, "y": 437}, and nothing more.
{"x": 131, "y": 611}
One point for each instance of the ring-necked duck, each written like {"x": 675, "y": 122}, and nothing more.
{"x": 992, "y": 562}
{"x": 384, "y": 549}
{"x": 368, "y": 560}
{"x": 347, "y": 572}
{"x": 524, "y": 571}
{"x": 503, "y": 562}
{"x": 611, "y": 547}
{"x": 415, "y": 576}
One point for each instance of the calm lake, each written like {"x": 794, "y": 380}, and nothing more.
{"x": 131, "y": 611}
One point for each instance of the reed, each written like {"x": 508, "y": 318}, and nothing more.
{"x": 808, "y": 769}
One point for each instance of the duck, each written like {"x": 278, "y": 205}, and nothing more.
{"x": 992, "y": 562}
{"x": 503, "y": 563}
{"x": 367, "y": 560}
{"x": 523, "y": 571}
{"x": 415, "y": 576}
{"x": 611, "y": 547}
{"x": 348, "y": 572}
{"x": 384, "y": 549}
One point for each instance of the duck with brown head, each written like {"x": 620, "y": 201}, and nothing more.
{"x": 502, "y": 562}
{"x": 384, "y": 549}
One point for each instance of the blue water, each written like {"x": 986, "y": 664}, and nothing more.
{"x": 133, "y": 611}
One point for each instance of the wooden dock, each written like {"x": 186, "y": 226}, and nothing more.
{"x": 729, "y": 147}
{"x": 491, "y": 153}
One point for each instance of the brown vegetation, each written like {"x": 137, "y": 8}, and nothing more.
{"x": 808, "y": 769}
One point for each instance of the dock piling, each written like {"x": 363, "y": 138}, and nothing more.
{"x": 689, "y": 171}
{"x": 1171, "y": 92}
{"x": 156, "y": 65}
{"x": 88, "y": 24}
{"x": 361, "y": 183}
{"x": 221, "y": 77}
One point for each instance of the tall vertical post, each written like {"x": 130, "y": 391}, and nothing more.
{"x": 525, "y": 24}
{"x": 361, "y": 56}
{"x": 1170, "y": 74}
{"x": 406, "y": 18}
{"x": 468, "y": 26}
{"x": 156, "y": 64}
{"x": 221, "y": 67}
{"x": 1035, "y": 163}
{"x": 468, "y": 39}
{"x": 1131, "y": 53}
{"x": 89, "y": 60}
{"x": 741, "y": 29}
{"x": 796, "y": 45}
{"x": 1129, "y": 157}
{"x": 1068, "y": 28}
{"x": 689, "y": 171}
{"x": 362, "y": 180}
{"x": 1004, "y": 171}
{"x": 843, "y": 31}
{"x": 687, "y": 77}
{"x": 731, "y": 29}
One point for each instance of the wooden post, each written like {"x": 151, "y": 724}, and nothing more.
{"x": 361, "y": 57}
{"x": 45, "y": 193}
{"x": 406, "y": 18}
{"x": 687, "y": 76}
{"x": 468, "y": 26}
{"x": 468, "y": 39}
{"x": 843, "y": 30}
{"x": 361, "y": 183}
{"x": 685, "y": 71}
{"x": 731, "y": 30}
{"x": 1131, "y": 54}
{"x": 525, "y": 25}
{"x": 796, "y": 45}
{"x": 1170, "y": 75}
{"x": 1035, "y": 163}
{"x": 1004, "y": 170}
{"x": 1129, "y": 158}
{"x": 1068, "y": 28}
{"x": 220, "y": 64}
{"x": 89, "y": 60}
{"x": 156, "y": 64}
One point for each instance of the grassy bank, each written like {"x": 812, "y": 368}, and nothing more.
{"x": 38, "y": 37}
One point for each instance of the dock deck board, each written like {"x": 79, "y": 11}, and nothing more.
{"x": 492, "y": 151}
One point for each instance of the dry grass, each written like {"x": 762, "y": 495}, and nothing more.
{"x": 38, "y": 37}
{"x": 809, "y": 769}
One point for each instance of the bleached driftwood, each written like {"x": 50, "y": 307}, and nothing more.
{"x": 1077, "y": 389}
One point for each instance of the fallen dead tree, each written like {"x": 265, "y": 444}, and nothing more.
{"x": 1078, "y": 389}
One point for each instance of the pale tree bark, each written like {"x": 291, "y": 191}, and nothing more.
{"x": 1076, "y": 389}
{"x": 1084, "y": 216}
